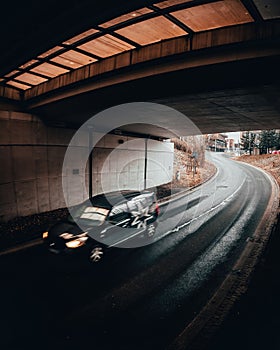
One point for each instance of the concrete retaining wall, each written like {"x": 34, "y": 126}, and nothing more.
{"x": 31, "y": 158}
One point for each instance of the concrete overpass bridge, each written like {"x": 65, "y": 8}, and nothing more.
{"x": 217, "y": 62}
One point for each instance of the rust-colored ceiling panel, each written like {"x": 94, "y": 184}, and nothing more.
{"x": 151, "y": 30}
{"x": 28, "y": 64}
{"x": 126, "y": 17}
{"x": 73, "y": 59}
{"x": 49, "y": 70}
{"x": 214, "y": 15}
{"x": 105, "y": 46}
{"x": 18, "y": 85}
{"x": 50, "y": 52}
{"x": 80, "y": 36}
{"x": 11, "y": 73}
{"x": 31, "y": 79}
{"x": 198, "y": 15}
{"x": 165, "y": 4}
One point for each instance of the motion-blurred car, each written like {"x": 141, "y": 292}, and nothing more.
{"x": 105, "y": 221}
{"x": 276, "y": 152}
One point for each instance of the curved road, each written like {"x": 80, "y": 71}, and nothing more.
{"x": 138, "y": 298}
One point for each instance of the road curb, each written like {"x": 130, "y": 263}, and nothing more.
{"x": 182, "y": 193}
{"x": 200, "y": 330}
{"x": 23, "y": 246}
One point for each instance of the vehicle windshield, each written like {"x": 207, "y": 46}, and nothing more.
{"x": 92, "y": 215}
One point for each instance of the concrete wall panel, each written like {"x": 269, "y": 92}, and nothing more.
{"x": 97, "y": 183}
{"x": 8, "y": 204}
{"x": 136, "y": 162}
{"x": 22, "y": 116}
{"x": 99, "y": 160}
{"x": 4, "y": 115}
{"x": 40, "y": 156}
{"x": 123, "y": 180}
{"x": 6, "y": 173}
{"x": 81, "y": 140}
{"x": 55, "y": 160}
{"x": 23, "y": 163}
{"x": 43, "y": 194}
{"x": 136, "y": 144}
{"x": 75, "y": 194}
{"x": 21, "y": 132}
{"x": 56, "y": 193}
{"x": 32, "y": 155}
{"x": 39, "y": 132}
{"x": 26, "y": 197}
{"x": 113, "y": 141}
{"x": 7, "y": 193}
{"x": 5, "y": 136}
{"x": 75, "y": 160}
{"x": 56, "y": 136}
{"x": 8, "y": 211}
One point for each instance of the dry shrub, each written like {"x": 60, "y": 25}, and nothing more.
{"x": 267, "y": 162}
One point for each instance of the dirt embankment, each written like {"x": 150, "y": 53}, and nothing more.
{"x": 186, "y": 174}
{"x": 267, "y": 162}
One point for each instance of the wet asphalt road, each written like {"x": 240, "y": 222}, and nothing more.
{"x": 137, "y": 298}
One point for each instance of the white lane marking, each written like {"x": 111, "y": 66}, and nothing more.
{"x": 226, "y": 200}
{"x": 127, "y": 238}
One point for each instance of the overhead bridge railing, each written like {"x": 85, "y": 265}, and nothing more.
{"x": 114, "y": 70}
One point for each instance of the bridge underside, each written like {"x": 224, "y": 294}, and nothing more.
{"x": 224, "y": 77}
{"x": 217, "y": 98}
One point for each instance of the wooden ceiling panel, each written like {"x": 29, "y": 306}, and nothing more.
{"x": 126, "y": 17}
{"x": 73, "y": 59}
{"x": 11, "y": 73}
{"x": 199, "y": 16}
{"x": 165, "y": 4}
{"x": 31, "y": 79}
{"x": 151, "y": 30}
{"x": 50, "y": 52}
{"x": 28, "y": 64}
{"x": 49, "y": 70}
{"x": 214, "y": 15}
{"x": 80, "y": 36}
{"x": 18, "y": 85}
{"x": 105, "y": 46}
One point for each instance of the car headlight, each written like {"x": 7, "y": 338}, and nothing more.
{"x": 45, "y": 235}
{"x": 66, "y": 235}
{"x": 76, "y": 243}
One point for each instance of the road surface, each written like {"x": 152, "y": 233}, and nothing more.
{"x": 139, "y": 298}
